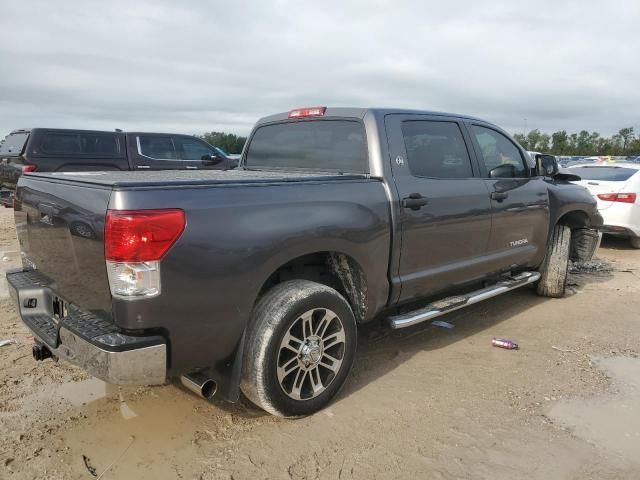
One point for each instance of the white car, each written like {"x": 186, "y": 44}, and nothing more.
{"x": 616, "y": 187}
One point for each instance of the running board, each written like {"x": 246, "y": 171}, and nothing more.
{"x": 449, "y": 304}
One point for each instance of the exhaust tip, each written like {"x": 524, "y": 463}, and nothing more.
{"x": 209, "y": 389}
{"x": 200, "y": 385}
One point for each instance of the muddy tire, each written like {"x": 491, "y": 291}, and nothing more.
{"x": 554, "y": 269}
{"x": 584, "y": 244}
{"x": 299, "y": 348}
{"x": 635, "y": 242}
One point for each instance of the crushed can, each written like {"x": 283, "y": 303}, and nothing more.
{"x": 502, "y": 343}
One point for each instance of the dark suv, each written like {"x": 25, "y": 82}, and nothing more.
{"x": 56, "y": 150}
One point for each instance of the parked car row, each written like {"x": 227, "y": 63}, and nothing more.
{"x": 615, "y": 184}
{"x": 58, "y": 150}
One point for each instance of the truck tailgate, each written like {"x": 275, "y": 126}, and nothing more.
{"x": 60, "y": 229}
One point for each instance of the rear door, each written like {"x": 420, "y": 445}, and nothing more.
{"x": 445, "y": 210}
{"x": 519, "y": 201}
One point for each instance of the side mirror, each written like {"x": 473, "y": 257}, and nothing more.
{"x": 546, "y": 165}
{"x": 210, "y": 159}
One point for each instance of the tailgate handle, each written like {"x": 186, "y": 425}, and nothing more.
{"x": 499, "y": 196}
{"x": 414, "y": 201}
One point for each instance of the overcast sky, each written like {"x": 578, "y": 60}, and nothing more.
{"x": 197, "y": 66}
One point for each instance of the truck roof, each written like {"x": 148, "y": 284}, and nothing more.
{"x": 355, "y": 112}
{"x": 80, "y": 130}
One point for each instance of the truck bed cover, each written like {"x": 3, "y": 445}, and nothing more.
{"x": 117, "y": 179}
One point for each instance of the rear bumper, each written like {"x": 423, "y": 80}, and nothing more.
{"x": 85, "y": 339}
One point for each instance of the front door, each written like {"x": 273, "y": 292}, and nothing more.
{"x": 445, "y": 212}
{"x": 519, "y": 201}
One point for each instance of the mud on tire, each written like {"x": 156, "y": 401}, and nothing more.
{"x": 554, "y": 269}
{"x": 299, "y": 348}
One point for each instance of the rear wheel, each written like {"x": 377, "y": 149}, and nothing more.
{"x": 554, "y": 270}
{"x": 635, "y": 242}
{"x": 299, "y": 348}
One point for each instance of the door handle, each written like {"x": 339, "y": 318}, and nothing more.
{"x": 499, "y": 196}
{"x": 414, "y": 201}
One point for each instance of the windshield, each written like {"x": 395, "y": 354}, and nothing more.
{"x": 609, "y": 174}
{"x": 324, "y": 145}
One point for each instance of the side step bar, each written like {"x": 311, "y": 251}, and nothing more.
{"x": 449, "y": 304}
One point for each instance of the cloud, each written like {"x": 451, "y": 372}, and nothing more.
{"x": 200, "y": 65}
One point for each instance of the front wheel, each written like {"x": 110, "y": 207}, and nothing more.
{"x": 635, "y": 242}
{"x": 299, "y": 348}
{"x": 554, "y": 270}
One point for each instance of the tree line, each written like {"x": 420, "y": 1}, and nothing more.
{"x": 229, "y": 142}
{"x": 625, "y": 142}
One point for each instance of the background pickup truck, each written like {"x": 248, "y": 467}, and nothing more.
{"x": 256, "y": 278}
{"x": 56, "y": 150}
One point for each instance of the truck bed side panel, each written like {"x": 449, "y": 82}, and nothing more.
{"x": 235, "y": 238}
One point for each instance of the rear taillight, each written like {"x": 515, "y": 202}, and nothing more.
{"x": 618, "y": 197}
{"x": 28, "y": 168}
{"x": 134, "y": 243}
{"x": 307, "y": 112}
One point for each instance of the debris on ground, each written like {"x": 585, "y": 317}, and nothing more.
{"x": 589, "y": 267}
{"x": 87, "y": 464}
{"x": 563, "y": 350}
{"x": 440, "y": 323}
{"x": 4, "y": 343}
{"x": 503, "y": 343}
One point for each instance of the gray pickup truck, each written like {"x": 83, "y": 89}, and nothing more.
{"x": 255, "y": 280}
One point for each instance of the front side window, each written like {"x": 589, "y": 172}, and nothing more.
{"x": 157, "y": 147}
{"x": 191, "y": 148}
{"x": 436, "y": 149}
{"x": 501, "y": 157}
{"x": 322, "y": 145}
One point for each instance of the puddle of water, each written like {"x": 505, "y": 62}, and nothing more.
{"x": 612, "y": 422}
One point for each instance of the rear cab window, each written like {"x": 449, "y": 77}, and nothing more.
{"x": 156, "y": 147}
{"x": 322, "y": 145}
{"x": 13, "y": 144}
{"x": 605, "y": 174}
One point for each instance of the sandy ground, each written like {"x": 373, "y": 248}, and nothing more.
{"x": 425, "y": 402}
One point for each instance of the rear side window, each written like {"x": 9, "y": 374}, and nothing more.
{"x": 96, "y": 145}
{"x": 99, "y": 144}
{"x": 607, "y": 174}
{"x": 157, "y": 147}
{"x": 324, "y": 145}
{"x": 436, "y": 149}
{"x": 500, "y": 155}
{"x": 61, "y": 144}
{"x": 192, "y": 148}
{"x": 13, "y": 144}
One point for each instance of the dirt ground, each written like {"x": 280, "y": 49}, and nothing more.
{"x": 424, "y": 402}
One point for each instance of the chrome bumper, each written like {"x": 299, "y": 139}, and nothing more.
{"x": 82, "y": 338}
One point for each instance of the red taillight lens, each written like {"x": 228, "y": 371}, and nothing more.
{"x": 307, "y": 112}
{"x": 28, "y": 168}
{"x": 618, "y": 197}
{"x": 141, "y": 235}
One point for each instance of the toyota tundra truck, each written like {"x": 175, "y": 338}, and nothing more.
{"x": 255, "y": 280}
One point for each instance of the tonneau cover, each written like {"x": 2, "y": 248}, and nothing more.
{"x": 190, "y": 177}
